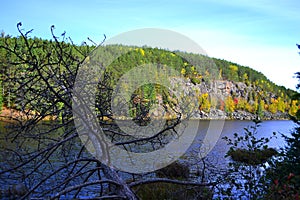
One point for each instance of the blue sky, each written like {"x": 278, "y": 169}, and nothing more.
{"x": 260, "y": 34}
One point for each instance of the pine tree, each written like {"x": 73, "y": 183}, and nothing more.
{"x": 1, "y": 96}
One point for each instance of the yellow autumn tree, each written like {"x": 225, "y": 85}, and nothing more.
{"x": 294, "y": 108}
{"x": 281, "y": 106}
{"x": 233, "y": 73}
{"x": 229, "y": 104}
{"x": 183, "y": 71}
{"x": 245, "y": 77}
{"x": 241, "y": 104}
{"x": 249, "y": 107}
{"x": 142, "y": 52}
{"x": 220, "y": 74}
{"x": 273, "y": 106}
{"x": 204, "y": 103}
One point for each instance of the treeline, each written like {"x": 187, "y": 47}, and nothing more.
{"x": 265, "y": 96}
{"x": 262, "y": 94}
{"x": 16, "y": 73}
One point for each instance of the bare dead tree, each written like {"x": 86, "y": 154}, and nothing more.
{"x": 41, "y": 147}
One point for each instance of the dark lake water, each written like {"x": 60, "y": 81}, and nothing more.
{"x": 265, "y": 129}
{"x": 220, "y": 148}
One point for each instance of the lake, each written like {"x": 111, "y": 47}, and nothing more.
{"x": 265, "y": 129}
{"x": 219, "y": 150}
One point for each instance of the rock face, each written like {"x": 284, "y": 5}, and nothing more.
{"x": 243, "y": 115}
{"x": 278, "y": 115}
{"x": 220, "y": 90}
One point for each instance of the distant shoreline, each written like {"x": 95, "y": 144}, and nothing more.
{"x": 10, "y": 115}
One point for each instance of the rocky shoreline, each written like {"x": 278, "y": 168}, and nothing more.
{"x": 238, "y": 115}
{"x": 214, "y": 114}
{"x": 220, "y": 90}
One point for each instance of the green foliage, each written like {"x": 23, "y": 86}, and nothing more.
{"x": 284, "y": 173}
{"x": 173, "y": 191}
{"x": 201, "y": 69}
{"x": 204, "y": 103}
{"x": 175, "y": 170}
{"x": 248, "y": 154}
{"x": 229, "y": 104}
{"x": 256, "y": 157}
{"x": 261, "y": 107}
{"x": 195, "y": 80}
{"x": 161, "y": 190}
{"x": 293, "y": 108}
{"x": 273, "y": 107}
{"x": 29, "y": 66}
{"x": 241, "y": 104}
{"x": 1, "y": 96}
{"x": 281, "y": 106}
{"x": 285, "y": 189}
{"x": 233, "y": 73}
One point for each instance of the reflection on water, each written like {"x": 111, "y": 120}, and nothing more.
{"x": 266, "y": 129}
{"x": 216, "y": 156}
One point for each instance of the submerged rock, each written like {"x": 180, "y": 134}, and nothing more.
{"x": 14, "y": 191}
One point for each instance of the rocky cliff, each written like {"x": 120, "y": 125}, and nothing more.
{"x": 220, "y": 90}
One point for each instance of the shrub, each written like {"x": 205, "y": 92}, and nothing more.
{"x": 1, "y": 96}
{"x": 161, "y": 190}
{"x": 258, "y": 156}
{"x": 175, "y": 170}
{"x": 249, "y": 155}
{"x": 195, "y": 80}
{"x": 173, "y": 191}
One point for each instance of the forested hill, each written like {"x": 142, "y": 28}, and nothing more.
{"x": 242, "y": 88}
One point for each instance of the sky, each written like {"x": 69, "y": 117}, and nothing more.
{"x": 261, "y": 34}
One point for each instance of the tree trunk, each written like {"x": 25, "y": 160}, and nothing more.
{"x": 124, "y": 189}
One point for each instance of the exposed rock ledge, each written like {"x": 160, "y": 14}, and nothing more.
{"x": 238, "y": 115}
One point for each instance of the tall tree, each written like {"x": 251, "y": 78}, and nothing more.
{"x": 284, "y": 173}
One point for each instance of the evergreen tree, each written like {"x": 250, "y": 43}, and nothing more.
{"x": 284, "y": 174}
{"x": 1, "y": 96}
